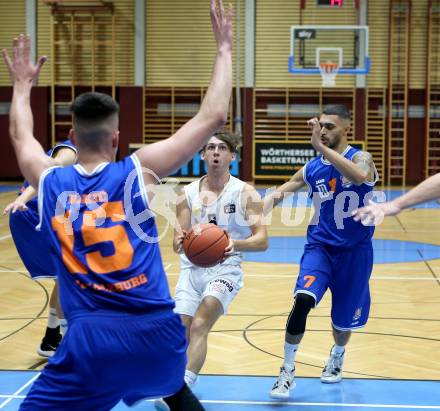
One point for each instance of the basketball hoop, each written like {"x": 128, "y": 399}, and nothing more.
{"x": 328, "y": 71}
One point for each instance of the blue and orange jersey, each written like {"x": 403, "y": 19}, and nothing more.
{"x": 32, "y": 204}
{"x": 104, "y": 236}
{"x": 334, "y": 197}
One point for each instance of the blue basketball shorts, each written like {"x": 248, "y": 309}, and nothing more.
{"x": 31, "y": 244}
{"x": 104, "y": 359}
{"x": 346, "y": 271}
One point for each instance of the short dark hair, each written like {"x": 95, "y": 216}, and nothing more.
{"x": 232, "y": 140}
{"x": 91, "y": 112}
{"x": 337, "y": 110}
{"x": 94, "y": 107}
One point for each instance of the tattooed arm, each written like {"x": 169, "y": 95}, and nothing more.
{"x": 364, "y": 161}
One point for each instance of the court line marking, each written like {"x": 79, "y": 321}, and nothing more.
{"x": 14, "y": 397}
{"x": 5, "y": 237}
{"x": 323, "y": 404}
{"x": 274, "y": 403}
{"x": 4, "y": 403}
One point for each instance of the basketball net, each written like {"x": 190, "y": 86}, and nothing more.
{"x": 328, "y": 70}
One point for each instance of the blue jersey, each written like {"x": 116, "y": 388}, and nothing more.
{"x": 100, "y": 227}
{"x": 334, "y": 197}
{"x": 32, "y": 204}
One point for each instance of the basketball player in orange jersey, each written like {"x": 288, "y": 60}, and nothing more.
{"x": 204, "y": 294}
{"x": 124, "y": 341}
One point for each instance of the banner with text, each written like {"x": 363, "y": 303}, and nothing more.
{"x": 275, "y": 159}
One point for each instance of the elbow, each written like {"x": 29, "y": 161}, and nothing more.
{"x": 360, "y": 179}
{"x": 220, "y": 118}
{"x": 264, "y": 244}
{"x": 214, "y": 117}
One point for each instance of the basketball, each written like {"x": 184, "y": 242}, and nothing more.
{"x": 205, "y": 244}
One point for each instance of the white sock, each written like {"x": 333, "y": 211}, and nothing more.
{"x": 190, "y": 378}
{"x": 289, "y": 355}
{"x": 338, "y": 349}
{"x": 63, "y": 326}
{"x": 52, "y": 319}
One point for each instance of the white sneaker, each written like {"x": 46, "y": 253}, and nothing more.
{"x": 283, "y": 385}
{"x": 161, "y": 405}
{"x": 332, "y": 371}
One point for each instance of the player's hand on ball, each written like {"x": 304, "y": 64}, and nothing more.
{"x": 229, "y": 250}
{"x": 15, "y": 206}
{"x": 178, "y": 242}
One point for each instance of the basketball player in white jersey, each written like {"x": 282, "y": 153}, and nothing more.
{"x": 204, "y": 294}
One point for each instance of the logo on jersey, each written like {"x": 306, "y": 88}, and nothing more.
{"x": 321, "y": 186}
{"x": 212, "y": 218}
{"x": 357, "y": 314}
{"x": 345, "y": 182}
{"x": 229, "y": 208}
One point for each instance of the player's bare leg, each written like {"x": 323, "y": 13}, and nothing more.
{"x": 332, "y": 371}
{"x": 52, "y": 337}
{"x": 204, "y": 319}
{"x": 187, "y": 321}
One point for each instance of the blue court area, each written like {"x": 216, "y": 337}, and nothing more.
{"x": 290, "y": 249}
{"x": 297, "y": 199}
{"x": 242, "y": 393}
{"x": 6, "y": 188}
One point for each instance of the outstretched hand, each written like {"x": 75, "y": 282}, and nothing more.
{"x": 374, "y": 213}
{"x": 221, "y": 24}
{"x": 16, "y": 205}
{"x": 20, "y": 67}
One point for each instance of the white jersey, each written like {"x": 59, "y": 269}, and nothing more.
{"x": 226, "y": 211}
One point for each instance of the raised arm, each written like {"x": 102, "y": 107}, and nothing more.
{"x": 374, "y": 213}
{"x": 168, "y": 155}
{"x": 31, "y": 157}
{"x": 358, "y": 171}
{"x": 295, "y": 183}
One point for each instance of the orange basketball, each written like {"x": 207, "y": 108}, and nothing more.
{"x": 205, "y": 244}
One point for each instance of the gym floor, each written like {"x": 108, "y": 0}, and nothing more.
{"x": 394, "y": 362}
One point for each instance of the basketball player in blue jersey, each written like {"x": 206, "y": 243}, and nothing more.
{"x": 32, "y": 247}
{"x": 338, "y": 254}
{"x": 124, "y": 341}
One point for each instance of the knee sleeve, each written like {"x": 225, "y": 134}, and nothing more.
{"x": 296, "y": 323}
{"x": 184, "y": 400}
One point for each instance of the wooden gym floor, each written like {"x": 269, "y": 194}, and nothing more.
{"x": 400, "y": 341}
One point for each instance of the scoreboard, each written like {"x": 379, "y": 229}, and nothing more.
{"x": 331, "y": 3}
